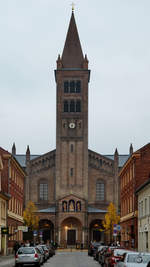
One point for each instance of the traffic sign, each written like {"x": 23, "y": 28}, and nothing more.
{"x": 118, "y": 227}
{"x": 35, "y": 232}
{"x": 23, "y": 228}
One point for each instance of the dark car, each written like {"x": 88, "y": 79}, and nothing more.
{"x": 51, "y": 250}
{"x": 97, "y": 252}
{"x": 93, "y": 246}
{"x": 101, "y": 255}
{"x": 46, "y": 251}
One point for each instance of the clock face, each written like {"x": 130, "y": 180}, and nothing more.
{"x": 72, "y": 125}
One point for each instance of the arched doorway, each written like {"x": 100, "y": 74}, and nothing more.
{"x": 46, "y": 230}
{"x": 96, "y": 231}
{"x": 71, "y": 232}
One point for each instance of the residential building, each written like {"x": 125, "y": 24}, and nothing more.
{"x": 143, "y": 194}
{"x": 12, "y": 180}
{"x": 133, "y": 174}
{"x": 3, "y": 213}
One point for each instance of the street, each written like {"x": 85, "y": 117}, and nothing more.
{"x": 62, "y": 259}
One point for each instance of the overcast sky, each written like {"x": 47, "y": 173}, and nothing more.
{"x": 115, "y": 34}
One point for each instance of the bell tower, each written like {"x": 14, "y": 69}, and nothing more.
{"x": 72, "y": 77}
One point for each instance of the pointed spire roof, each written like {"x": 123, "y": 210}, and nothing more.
{"x": 14, "y": 149}
{"x": 72, "y": 56}
{"x": 131, "y": 149}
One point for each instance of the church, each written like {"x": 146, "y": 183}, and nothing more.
{"x": 72, "y": 186}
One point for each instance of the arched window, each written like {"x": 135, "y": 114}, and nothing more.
{"x": 100, "y": 191}
{"x": 71, "y": 205}
{"x": 43, "y": 190}
{"x": 71, "y": 148}
{"x": 64, "y": 206}
{"x": 72, "y": 106}
{"x": 78, "y": 106}
{"x": 66, "y": 107}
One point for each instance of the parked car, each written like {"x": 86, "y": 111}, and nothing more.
{"x": 107, "y": 253}
{"x": 28, "y": 255}
{"x": 101, "y": 255}
{"x": 97, "y": 251}
{"x": 46, "y": 251}
{"x": 93, "y": 246}
{"x": 42, "y": 253}
{"x": 51, "y": 250}
{"x": 115, "y": 256}
{"x": 134, "y": 259}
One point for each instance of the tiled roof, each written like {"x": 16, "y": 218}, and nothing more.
{"x": 95, "y": 210}
{"x": 22, "y": 159}
{"x": 122, "y": 158}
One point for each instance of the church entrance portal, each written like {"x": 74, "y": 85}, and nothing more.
{"x": 96, "y": 231}
{"x": 46, "y": 230}
{"x": 70, "y": 232}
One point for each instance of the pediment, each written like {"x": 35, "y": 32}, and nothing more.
{"x": 71, "y": 196}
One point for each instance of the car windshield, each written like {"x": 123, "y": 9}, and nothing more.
{"x": 26, "y": 251}
{"x": 138, "y": 258}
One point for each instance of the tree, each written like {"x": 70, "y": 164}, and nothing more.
{"x": 30, "y": 217}
{"x": 111, "y": 218}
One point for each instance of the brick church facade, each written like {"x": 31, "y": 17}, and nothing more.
{"x": 72, "y": 186}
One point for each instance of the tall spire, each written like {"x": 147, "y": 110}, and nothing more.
{"x": 13, "y": 149}
{"x": 72, "y": 56}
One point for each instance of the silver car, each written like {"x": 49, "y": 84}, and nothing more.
{"x": 135, "y": 259}
{"x": 28, "y": 255}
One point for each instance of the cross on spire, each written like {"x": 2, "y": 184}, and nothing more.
{"x": 73, "y": 5}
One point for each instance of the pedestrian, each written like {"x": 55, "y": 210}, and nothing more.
{"x": 16, "y": 247}
{"x": 27, "y": 244}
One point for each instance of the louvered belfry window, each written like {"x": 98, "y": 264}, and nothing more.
{"x": 100, "y": 191}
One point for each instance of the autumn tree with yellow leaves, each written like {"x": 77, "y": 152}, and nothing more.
{"x": 111, "y": 218}
{"x": 29, "y": 215}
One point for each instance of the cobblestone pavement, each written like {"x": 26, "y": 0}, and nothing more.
{"x": 71, "y": 259}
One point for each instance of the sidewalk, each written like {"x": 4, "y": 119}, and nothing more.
{"x": 5, "y": 258}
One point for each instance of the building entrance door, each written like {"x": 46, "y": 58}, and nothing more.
{"x": 71, "y": 237}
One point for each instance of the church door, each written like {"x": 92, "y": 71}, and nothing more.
{"x": 97, "y": 235}
{"x": 71, "y": 237}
